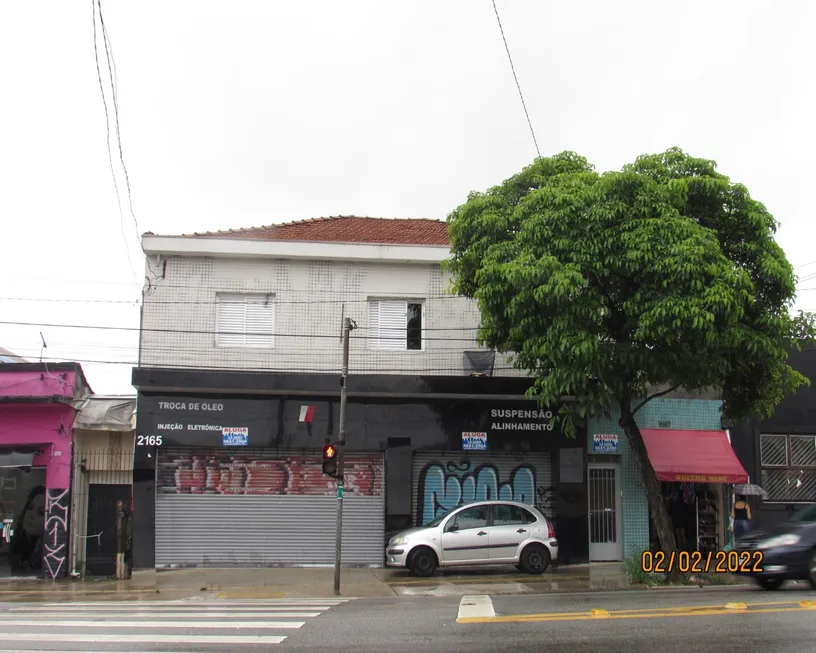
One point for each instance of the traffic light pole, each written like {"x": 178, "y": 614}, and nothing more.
{"x": 348, "y": 325}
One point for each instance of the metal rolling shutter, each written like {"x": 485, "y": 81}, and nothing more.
{"x": 205, "y": 516}
{"x": 443, "y": 480}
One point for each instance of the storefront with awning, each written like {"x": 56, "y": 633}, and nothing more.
{"x": 696, "y": 469}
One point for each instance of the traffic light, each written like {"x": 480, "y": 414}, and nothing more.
{"x": 330, "y": 460}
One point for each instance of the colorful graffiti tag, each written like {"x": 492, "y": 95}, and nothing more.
{"x": 444, "y": 486}
{"x": 260, "y": 474}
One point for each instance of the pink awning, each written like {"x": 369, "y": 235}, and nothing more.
{"x": 691, "y": 456}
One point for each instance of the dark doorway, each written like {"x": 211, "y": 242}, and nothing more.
{"x": 100, "y": 552}
{"x": 22, "y": 520}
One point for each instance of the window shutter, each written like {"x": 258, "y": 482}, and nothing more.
{"x": 245, "y": 321}
{"x": 388, "y": 324}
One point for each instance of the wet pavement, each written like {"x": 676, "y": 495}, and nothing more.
{"x": 275, "y": 583}
{"x": 572, "y": 578}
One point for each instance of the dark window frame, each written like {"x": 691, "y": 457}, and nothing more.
{"x": 781, "y": 473}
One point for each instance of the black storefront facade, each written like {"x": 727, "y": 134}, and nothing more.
{"x": 227, "y": 469}
{"x": 779, "y": 453}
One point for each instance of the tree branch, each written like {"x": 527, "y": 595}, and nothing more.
{"x": 654, "y": 396}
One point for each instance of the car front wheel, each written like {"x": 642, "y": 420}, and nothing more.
{"x": 535, "y": 559}
{"x": 770, "y": 583}
{"x": 423, "y": 562}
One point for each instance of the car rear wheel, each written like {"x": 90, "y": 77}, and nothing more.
{"x": 812, "y": 569}
{"x": 423, "y": 562}
{"x": 770, "y": 583}
{"x": 535, "y": 559}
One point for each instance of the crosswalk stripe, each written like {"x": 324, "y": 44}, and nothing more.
{"x": 258, "y": 614}
{"x": 192, "y": 609}
{"x": 265, "y": 625}
{"x": 143, "y": 639}
{"x": 133, "y": 624}
{"x": 113, "y": 605}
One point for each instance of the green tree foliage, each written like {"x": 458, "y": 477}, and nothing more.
{"x": 614, "y": 288}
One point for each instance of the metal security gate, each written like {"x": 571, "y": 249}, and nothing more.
{"x": 605, "y": 543}
{"x": 217, "y": 508}
{"x": 444, "y": 480}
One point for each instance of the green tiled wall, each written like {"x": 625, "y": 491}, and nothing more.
{"x": 658, "y": 413}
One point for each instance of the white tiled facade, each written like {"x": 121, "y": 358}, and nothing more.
{"x": 311, "y": 298}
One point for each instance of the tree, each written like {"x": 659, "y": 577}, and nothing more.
{"x": 620, "y": 287}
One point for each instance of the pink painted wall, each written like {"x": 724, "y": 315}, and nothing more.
{"x": 37, "y": 384}
{"x": 44, "y": 424}
{"x": 41, "y": 424}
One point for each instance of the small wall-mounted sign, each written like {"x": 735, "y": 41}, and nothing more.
{"x": 474, "y": 441}
{"x": 235, "y": 437}
{"x": 605, "y": 443}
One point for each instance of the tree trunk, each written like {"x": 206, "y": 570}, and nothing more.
{"x": 657, "y": 508}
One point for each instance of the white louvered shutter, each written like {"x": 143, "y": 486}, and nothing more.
{"x": 388, "y": 324}
{"x": 245, "y": 321}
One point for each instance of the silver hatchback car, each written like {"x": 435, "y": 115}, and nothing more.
{"x": 476, "y": 534}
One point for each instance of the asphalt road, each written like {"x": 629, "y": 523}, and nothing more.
{"x": 668, "y": 621}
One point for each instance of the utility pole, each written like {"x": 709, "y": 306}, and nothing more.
{"x": 348, "y": 326}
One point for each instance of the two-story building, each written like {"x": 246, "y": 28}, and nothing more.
{"x": 238, "y": 391}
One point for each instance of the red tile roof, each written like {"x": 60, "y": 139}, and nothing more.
{"x": 346, "y": 229}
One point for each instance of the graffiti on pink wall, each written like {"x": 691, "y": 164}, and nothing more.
{"x": 55, "y": 537}
{"x": 223, "y": 473}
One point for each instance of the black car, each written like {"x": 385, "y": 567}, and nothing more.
{"x": 789, "y": 550}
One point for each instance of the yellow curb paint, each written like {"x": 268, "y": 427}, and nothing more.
{"x": 736, "y": 606}
{"x": 666, "y": 609}
{"x": 586, "y": 617}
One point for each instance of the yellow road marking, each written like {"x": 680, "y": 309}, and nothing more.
{"x": 649, "y": 613}
{"x": 736, "y": 606}
{"x": 679, "y": 608}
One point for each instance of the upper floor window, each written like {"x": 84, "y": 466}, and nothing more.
{"x": 395, "y": 324}
{"x": 246, "y": 321}
{"x": 788, "y": 465}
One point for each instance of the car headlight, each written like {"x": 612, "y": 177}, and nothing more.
{"x": 396, "y": 541}
{"x": 780, "y": 540}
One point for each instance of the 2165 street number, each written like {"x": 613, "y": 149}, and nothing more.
{"x": 719, "y": 562}
{"x": 148, "y": 440}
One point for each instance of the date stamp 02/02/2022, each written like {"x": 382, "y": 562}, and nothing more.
{"x": 695, "y": 562}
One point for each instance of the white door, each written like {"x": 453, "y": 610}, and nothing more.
{"x": 605, "y": 543}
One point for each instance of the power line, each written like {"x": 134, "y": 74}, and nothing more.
{"x": 212, "y": 302}
{"x": 108, "y": 132}
{"x": 333, "y": 336}
{"x": 518, "y": 85}
{"x": 114, "y": 84}
{"x": 266, "y": 369}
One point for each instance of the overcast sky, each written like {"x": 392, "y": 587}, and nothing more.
{"x": 244, "y": 113}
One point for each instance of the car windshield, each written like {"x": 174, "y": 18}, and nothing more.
{"x": 439, "y": 519}
{"x": 808, "y": 513}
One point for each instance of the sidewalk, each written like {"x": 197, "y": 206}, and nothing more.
{"x": 211, "y": 584}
